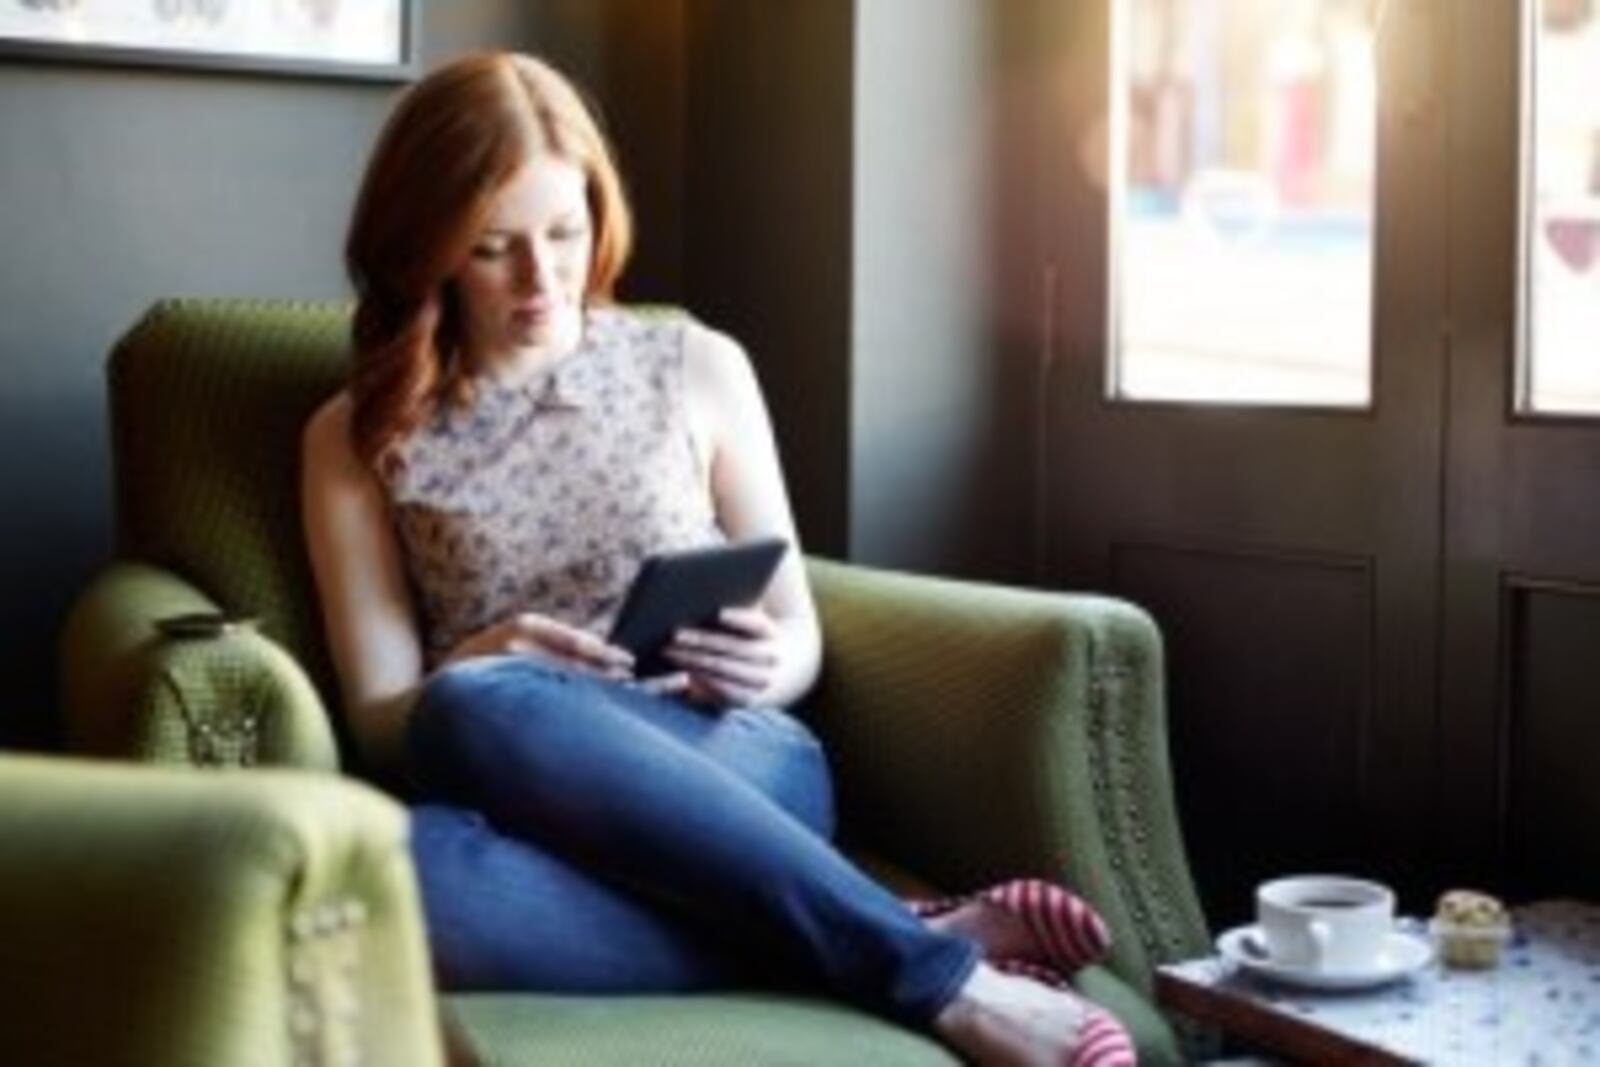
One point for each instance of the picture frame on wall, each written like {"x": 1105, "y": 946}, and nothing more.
{"x": 363, "y": 39}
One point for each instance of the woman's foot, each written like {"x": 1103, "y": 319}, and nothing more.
{"x": 998, "y": 1020}
{"x": 1028, "y": 920}
{"x": 1000, "y": 933}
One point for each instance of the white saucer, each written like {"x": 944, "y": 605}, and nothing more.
{"x": 1403, "y": 954}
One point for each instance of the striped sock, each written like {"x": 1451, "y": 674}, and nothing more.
{"x": 1102, "y": 1042}
{"x": 1068, "y": 930}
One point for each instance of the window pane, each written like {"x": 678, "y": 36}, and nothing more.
{"x": 1245, "y": 137}
{"x": 1562, "y": 231}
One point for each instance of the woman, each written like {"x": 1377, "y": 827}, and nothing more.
{"x": 508, "y": 450}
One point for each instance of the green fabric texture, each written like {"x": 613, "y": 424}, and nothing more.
{"x": 977, "y": 733}
{"x": 159, "y": 916}
{"x": 214, "y": 494}
{"x": 128, "y": 690}
{"x": 509, "y": 1030}
{"x": 735, "y": 1030}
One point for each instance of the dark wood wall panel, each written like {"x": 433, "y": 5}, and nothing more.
{"x": 1271, "y": 660}
{"x": 1551, "y": 726}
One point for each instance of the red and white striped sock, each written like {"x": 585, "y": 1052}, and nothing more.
{"x": 1102, "y": 1042}
{"x": 1069, "y": 931}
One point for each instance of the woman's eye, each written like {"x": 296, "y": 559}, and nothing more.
{"x": 568, "y": 233}
{"x": 490, "y": 249}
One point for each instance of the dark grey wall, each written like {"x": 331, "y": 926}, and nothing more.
{"x": 118, "y": 187}
{"x": 768, "y": 224}
{"x": 918, "y": 315}
{"x": 936, "y": 445}
{"x": 843, "y": 204}
{"x": 629, "y": 55}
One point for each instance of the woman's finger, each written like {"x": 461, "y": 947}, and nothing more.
{"x": 541, "y": 652}
{"x": 762, "y": 652}
{"x": 742, "y": 673}
{"x": 666, "y": 684}
{"x": 753, "y": 622}
{"x": 704, "y": 689}
{"x": 574, "y": 643}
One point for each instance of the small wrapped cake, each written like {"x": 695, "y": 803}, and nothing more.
{"x": 1470, "y": 927}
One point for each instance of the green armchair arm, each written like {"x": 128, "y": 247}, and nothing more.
{"x": 980, "y": 732}
{"x": 154, "y": 915}
{"x": 130, "y": 692}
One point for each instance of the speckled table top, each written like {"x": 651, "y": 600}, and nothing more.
{"x": 1541, "y": 1006}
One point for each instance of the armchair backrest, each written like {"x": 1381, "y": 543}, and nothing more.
{"x": 208, "y": 398}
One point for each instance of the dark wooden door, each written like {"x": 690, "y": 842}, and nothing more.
{"x": 1292, "y": 557}
{"x": 1518, "y": 745}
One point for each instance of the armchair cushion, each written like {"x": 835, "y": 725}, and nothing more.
{"x": 732, "y": 1030}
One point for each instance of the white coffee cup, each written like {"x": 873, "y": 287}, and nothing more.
{"x": 1325, "y": 922}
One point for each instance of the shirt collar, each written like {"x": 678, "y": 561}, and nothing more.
{"x": 573, "y": 383}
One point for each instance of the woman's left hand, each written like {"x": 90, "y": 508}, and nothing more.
{"x": 734, "y": 666}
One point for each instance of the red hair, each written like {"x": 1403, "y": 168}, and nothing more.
{"x": 453, "y": 141}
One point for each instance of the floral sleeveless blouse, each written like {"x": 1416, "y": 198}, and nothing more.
{"x": 548, "y": 495}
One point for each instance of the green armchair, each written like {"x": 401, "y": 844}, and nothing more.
{"x": 157, "y": 916}
{"x": 976, "y": 732}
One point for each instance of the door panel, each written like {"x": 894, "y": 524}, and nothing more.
{"x": 1271, "y": 728}
{"x": 1519, "y": 711}
{"x": 1302, "y": 639}
{"x": 1551, "y": 733}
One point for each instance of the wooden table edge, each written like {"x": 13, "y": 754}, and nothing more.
{"x": 1272, "y": 1031}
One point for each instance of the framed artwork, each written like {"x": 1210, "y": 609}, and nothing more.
{"x": 373, "y": 39}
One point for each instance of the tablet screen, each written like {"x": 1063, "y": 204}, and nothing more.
{"x": 679, "y": 589}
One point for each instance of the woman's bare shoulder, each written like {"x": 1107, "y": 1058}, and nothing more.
{"x": 326, "y": 436}
{"x": 714, "y": 360}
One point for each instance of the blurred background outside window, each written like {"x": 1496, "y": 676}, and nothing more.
{"x": 1561, "y": 233}
{"x": 1246, "y": 144}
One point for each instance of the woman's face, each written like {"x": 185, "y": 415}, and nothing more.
{"x": 522, "y": 287}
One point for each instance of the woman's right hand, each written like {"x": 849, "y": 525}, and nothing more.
{"x": 543, "y": 638}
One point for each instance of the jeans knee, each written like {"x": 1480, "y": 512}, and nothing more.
{"x": 451, "y": 698}
{"x": 451, "y": 688}
{"x": 477, "y": 687}
{"x": 472, "y": 708}
{"x": 772, "y": 724}
{"x": 780, "y": 756}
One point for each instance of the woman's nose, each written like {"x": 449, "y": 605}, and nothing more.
{"x": 535, "y": 271}
{"x": 530, "y": 273}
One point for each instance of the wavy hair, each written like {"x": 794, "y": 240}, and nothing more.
{"x": 454, "y": 139}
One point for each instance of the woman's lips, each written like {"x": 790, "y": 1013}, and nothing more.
{"x": 531, "y": 314}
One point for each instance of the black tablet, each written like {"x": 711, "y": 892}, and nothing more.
{"x": 679, "y": 589}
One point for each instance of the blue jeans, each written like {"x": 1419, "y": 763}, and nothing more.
{"x": 577, "y": 835}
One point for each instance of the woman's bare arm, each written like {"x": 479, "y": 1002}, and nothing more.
{"x": 775, "y": 653}
{"x": 366, "y": 607}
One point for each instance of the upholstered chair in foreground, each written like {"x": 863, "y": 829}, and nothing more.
{"x": 158, "y": 916}
{"x": 976, "y": 732}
